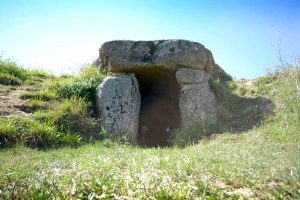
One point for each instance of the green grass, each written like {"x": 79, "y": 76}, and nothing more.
{"x": 44, "y": 95}
{"x": 247, "y": 165}
{"x": 66, "y": 123}
{"x": 71, "y": 115}
{"x": 33, "y": 133}
{"x": 34, "y": 105}
{"x": 7, "y": 79}
{"x": 10, "y": 68}
{"x": 83, "y": 86}
{"x": 12, "y": 74}
{"x": 57, "y": 120}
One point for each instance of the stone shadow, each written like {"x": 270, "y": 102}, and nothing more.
{"x": 237, "y": 114}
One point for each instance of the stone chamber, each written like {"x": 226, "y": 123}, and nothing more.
{"x": 155, "y": 87}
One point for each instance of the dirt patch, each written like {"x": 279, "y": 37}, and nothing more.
{"x": 10, "y": 103}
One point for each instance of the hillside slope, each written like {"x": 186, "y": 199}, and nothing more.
{"x": 252, "y": 153}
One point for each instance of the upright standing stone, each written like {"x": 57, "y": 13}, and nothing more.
{"x": 118, "y": 103}
{"x": 197, "y": 102}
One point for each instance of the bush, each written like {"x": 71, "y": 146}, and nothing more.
{"x": 241, "y": 90}
{"x": 7, "y": 79}
{"x": 79, "y": 88}
{"x": 83, "y": 87}
{"x": 40, "y": 135}
{"x": 188, "y": 135}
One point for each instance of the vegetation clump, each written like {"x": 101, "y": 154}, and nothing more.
{"x": 12, "y": 74}
{"x": 83, "y": 86}
{"x": 61, "y": 115}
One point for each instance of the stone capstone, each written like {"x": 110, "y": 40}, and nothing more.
{"x": 131, "y": 56}
{"x": 118, "y": 104}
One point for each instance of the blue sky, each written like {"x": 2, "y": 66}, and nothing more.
{"x": 61, "y": 35}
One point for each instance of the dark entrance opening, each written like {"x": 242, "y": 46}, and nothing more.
{"x": 159, "y": 113}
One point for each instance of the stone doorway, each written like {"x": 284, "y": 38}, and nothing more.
{"x": 159, "y": 111}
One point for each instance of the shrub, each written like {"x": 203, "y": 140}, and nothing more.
{"x": 241, "y": 90}
{"x": 79, "y": 88}
{"x": 41, "y": 135}
{"x": 187, "y": 136}
{"x": 7, "y": 79}
{"x": 84, "y": 86}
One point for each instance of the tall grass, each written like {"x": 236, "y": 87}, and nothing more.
{"x": 83, "y": 86}
{"x": 12, "y": 74}
{"x": 286, "y": 92}
{"x": 67, "y": 123}
{"x": 71, "y": 116}
{"x": 32, "y": 133}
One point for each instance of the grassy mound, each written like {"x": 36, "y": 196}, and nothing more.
{"x": 59, "y": 107}
{"x": 255, "y": 157}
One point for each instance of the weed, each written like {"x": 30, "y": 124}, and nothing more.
{"x": 70, "y": 116}
{"x": 39, "y": 74}
{"x": 10, "y": 68}
{"x": 192, "y": 134}
{"x": 224, "y": 93}
{"x": 12, "y": 74}
{"x": 34, "y": 134}
{"x": 44, "y": 95}
{"x": 241, "y": 91}
{"x": 34, "y": 105}
{"x": 83, "y": 87}
{"x": 7, "y": 79}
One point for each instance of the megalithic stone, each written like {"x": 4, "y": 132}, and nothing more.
{"x": 118, "y": 105}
